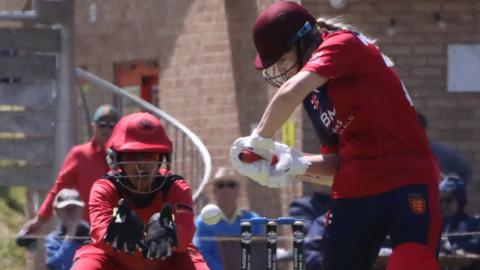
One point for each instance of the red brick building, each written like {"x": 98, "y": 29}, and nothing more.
{"x": 203, "y": 52}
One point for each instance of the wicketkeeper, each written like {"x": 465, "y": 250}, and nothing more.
{"x": 141, "y": 214}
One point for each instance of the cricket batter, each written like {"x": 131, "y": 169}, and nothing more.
{"x": 386, "y": 178}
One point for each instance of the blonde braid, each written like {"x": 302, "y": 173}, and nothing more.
{"x": 333, "y": 24}
{"x": 336, "y": 23}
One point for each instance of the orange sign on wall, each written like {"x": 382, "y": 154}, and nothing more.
{"x": 140, "y": 78}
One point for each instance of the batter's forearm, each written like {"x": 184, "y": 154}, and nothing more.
{"x": 323, "y": 165}
{"x": 277, "y": 112}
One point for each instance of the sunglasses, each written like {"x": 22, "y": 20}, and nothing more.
{"x": 229, "y": 184}
{"x": 104, "y": 124}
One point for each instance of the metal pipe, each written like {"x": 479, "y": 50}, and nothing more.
{"x": 64, "y": 129}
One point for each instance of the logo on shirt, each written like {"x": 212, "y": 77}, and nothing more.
{"x": 341, "y": 126}
{"x": 316, "y": 58}
{"x": 328, "y": 218}
{"x": 314, "y": 101}
{"x": 417, "y": 203}
{"x": 328, "y": 117}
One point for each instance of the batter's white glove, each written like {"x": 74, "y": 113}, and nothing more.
{"x": 290, "y": 161}
{"x": 263, "y": 147}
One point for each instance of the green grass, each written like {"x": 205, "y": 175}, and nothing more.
{"x": 12, "y": 201}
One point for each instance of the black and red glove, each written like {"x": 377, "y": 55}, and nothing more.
{"x": 125, "y": 230}
{"x": 160, "y": 236}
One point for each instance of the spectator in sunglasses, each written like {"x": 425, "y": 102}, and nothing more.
{"x": 453, "y": 199}
{"x": 82, "y": 166}
{"x": 219, "y": 255}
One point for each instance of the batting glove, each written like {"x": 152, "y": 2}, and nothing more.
{"x": 290, "y": 161}
{"x": 258, "y": 170}
{"x": 160, "y": 236}
{"x": 125, "y": 229}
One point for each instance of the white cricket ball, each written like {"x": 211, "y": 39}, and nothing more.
{"x": 211, "y": 214}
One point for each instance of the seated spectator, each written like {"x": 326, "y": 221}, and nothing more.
{"x": 226, "y": 186}
{"x": 72, "y": 232}
{"x": 453, "y": 200}
{"x": 449, "y": 160}
{"x": 311, "y": 207}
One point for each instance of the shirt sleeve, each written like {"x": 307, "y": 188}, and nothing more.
{"x": 103, "y": 199}
{"x": 180, "y": 197}
{"x": 66, "y": 179}
{"x": 59, "y": 253}
{"x": 336, "y": 57}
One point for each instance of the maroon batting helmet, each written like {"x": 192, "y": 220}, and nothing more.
{"x": 276, "y": 29}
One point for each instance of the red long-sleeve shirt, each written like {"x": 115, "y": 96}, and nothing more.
{"x": 83, "y": 165}
{"x": 104, "y": 197}
{"x": 381, "y": 143}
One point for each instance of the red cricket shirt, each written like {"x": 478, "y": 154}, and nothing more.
{"x": 104, "y": 198}
{"x": 83, "y": 165}
{"x": 381, "y": 143}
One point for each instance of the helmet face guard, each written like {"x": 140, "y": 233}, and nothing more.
{"x": 143, "y": 176}
{"x": 274, "y": 77}
{"x": 138, "y": 151}
{"x": 272, "y": 74}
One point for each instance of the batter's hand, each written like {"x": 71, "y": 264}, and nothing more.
{"x": 263, "y": 147}
{"x": 290, "y": 161}
{"x": 281, "y": 173}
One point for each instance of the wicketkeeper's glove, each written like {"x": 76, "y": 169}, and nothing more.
{"x": 125, "y": 229}
{"x": 160, "y": 235}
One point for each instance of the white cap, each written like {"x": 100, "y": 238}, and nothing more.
{"x": 66, "y": 197}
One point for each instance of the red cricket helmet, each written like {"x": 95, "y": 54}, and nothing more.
{"x": 412, "y": 256}
{"x": 139, "y": 132}
{"x": 276, "y": 29}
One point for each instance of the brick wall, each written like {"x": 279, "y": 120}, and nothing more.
{"x": 207, "y": 80}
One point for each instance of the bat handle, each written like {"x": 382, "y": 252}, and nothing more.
{"x": 248, "y": 156}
